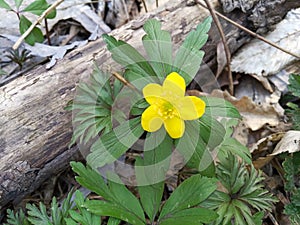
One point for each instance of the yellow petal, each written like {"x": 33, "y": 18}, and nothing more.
{"x": 174, "y": 84}
{"x": 175, "y": 127}
{"x": 191, "y": 107}
{"x": 151, "y": 92}
{"x": 151, "y": 121}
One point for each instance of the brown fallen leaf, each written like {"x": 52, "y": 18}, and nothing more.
{"x": 255, "y": 115}
{"x": 289, "y": 143}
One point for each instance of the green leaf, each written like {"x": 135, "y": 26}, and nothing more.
{"x": 243, "y": 195}
{"x": 113, "y": 221}
{"x": 81, "y": 215}
{"x": 92, "y": 107}
{"x": 291, "y": 167}
{"x": 294, "y": 114}
{"x": 18, "y": 218}
{"x": 218, "y": 107}
{"x": 211, "y": 131}
{"x": 189, "y": 193}
{"x": 38, "y": 215}
{"x": 35, "y": 35}
{"x": 294, "y": 86}
{"x": 188, "y": 57}
{"x": 194, "y": 150}
{"x": 236, "y": 148}
{"x": 127, "y": 56}
{"x": 4, "y": 5}
{"x": 38, "y": 7}
{"x": 151, "y": 171}
{"x": 109, "y": 147}
{"x": 92, "y": 180}
{"x": 158, "y": 46}
{"x": 194, "y": 216}
{"x": 257, "y": 218}
{"x": 123, "y": 197}
{"x": 18, "y": 3}
{"x": 109, "y": 209}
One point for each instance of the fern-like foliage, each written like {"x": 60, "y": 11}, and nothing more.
{"x": 17, "y": 218}
{"x": 66, "y": 213}
{"x": 294, "y": 111}
{"x": 291, "y": 167}
{"x": 92, "y": 106}
{"x": 243, "y": 194}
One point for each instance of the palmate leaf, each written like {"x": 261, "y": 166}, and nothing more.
{"x": 244, "y": 193}
{"x": 294, "y": 114}
{"x": 158, "y": 46}
{"x": 92, "y": 107}
{"x": 109, "y": 147}
{"x": 123, "y": 197}
{"x": 152, "y": 169}
{"x": 194, "y": 150}
{"x": 81, "y": 215}
{"x": 193, "y": 216}
{"x": 219, "y": 107}
{"x": 114, "y": 210}
{"x": 294, "y": 86}
{"x": 291, "y": 167}
{"x": 17, "y": 218}
{"x": 188, "y": 194}
{"x": 129, "y": 57}
{"x": 200, "y": 138}
{"x": 92, "y": 180}
{"x": 118, "y": 201}
{"x": 189, "y": 57}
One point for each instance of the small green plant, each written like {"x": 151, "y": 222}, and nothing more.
{"x": 294, "y": 111}
{"x": 18, "y": 56}
{"x": 37, "y": 8}
{"x": 2, "y": 72}
{"x": 291, "y": 167}
{"x": 144, "y": 110}
{"x": 241, "y": 195}
{"x": 66, "y": 213}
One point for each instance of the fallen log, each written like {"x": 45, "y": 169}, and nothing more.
{"x": 35, "y": 127}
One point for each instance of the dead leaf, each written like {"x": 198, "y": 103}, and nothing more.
{"x": 261, "y": 59}
{"x": 255, "y": 115}
{"x": 221, "y": 58}
{"x": 289, "y": 143}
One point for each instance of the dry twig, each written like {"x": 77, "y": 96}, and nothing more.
{"x": 145, "y": 6}
{"x": 124, "y": 81}
{"x": 226, "y": 48}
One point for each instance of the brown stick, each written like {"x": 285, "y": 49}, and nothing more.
{"x": 124, "y": 81}
{"x": 145, "y": 6}
{"x": 226, "y": 48}
{"x": 250, "y": 32}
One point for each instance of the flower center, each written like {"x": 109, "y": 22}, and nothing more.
{"x": 167, "y": 110}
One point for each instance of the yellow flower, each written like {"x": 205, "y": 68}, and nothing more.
{"x": 170, "y": 106}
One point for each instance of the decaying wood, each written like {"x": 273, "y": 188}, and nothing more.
{"x": 35, "y": 128}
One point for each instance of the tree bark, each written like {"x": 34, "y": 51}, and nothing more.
{"x": 35, "y": 127}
